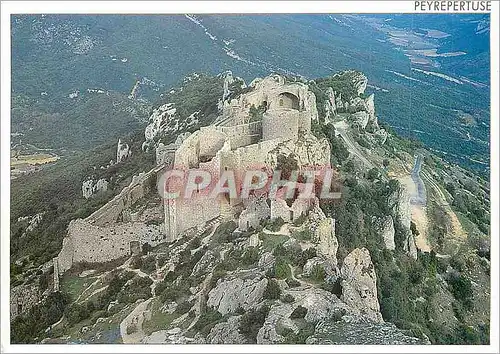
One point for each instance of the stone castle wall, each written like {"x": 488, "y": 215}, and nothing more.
{"x": 89, "y": 243}
{"x": 111, "y": 212}
{"x": 103, "y": 236}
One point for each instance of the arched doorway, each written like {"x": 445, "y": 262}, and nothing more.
{"x": 288, "y": 100}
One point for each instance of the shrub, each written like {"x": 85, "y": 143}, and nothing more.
{"x": 251, "y": 322}
{"x": 275, "y": 225}
{"x": 299, "y": 312}
{"x": 131, "y": 328}
{"x": 461, "y": 288}
{"x": 207, "y": 321}
{"x": 282, "y": 269}
{"x": 287, "y": 298}
{"x": 301, "y": 258}
{"x": 318, "y": 273}
{"x": 272, "y": 291}
{"x": 303, "y": 235}
{"x": 292, "y": 282}
{"x": 183, "y": 307}
{"x": 250, "y": 257}
{"x": 148, "y": 265}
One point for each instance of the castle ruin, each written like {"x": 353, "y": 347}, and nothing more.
{"x": 252, "y": 130}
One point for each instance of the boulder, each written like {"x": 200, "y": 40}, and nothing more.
{"x": 359, "y": 284}
{"x": 230, "y": 295}
{"x": 278, "y": 317}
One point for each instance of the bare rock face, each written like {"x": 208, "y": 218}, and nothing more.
{"x": 87, "y": 188}
{"x": 159, "y": 121}
{"x": 266, "y": 261}
{"x": 228, "y": 80}
{"x": 359, "y": 80}
{"x": 370, "y": 106}
{"x": 311, "y": 264}
{"x": 204, "y": 263}
{"x": 123, "y": 151}
{"x": 278, "y": 317}
{"x": 90, "y": 188}
{"x": 320, "y": 304}
{"x": 229, "y": 295}
{"x": 330, "y": 104}
{"x": 412, "y": 247}
{"x": 403, "y": 206}
{"x": 327, "y": 242}
{"x": 387, "y": 231}
{"x": 361, "y": 118}
{"x": 359, "y": 284}
{"x": 227, "y": 332}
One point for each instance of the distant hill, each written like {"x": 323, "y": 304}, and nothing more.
{"x": 57, "y": 55}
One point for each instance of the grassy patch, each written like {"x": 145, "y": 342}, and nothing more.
{"x": 270, "y": 242}
{"x": 159, "y": 320}
{"x": 73, "y": 286}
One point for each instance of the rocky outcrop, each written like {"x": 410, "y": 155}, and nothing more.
{"x": 359, "y": 284}
{"x": 229, "y": 295}
{"x": 387, "y": 231}
{"x": 227, "y": 332}
{"x": 330, "y": 105}
{"x": 412, "y": 246}
{"x": 89, "y": 187}
{"x": 310, "y": 266}
{"x": 361, "y": 118}
{"x": 370, "y": 106}
{"x": 324, "y": 235}
{"x": 266, "y": 261}
{"x": 228, "y": 80}
{"x": 279, "y": 316}
{"x": 320, "y": 304}
{"x": 359, "y": 81}
{"x": 123, "y": 151}
{"x": 403, "y": 207}
{"x": 204, "y": 264}
{"x": 159, "y": 122}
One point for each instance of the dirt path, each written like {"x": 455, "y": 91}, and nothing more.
{"x": 136, "y": 317}
{"x": 418, "y": 204}
{"x": 419, "y": 217}
{"x": 457, "y": 232}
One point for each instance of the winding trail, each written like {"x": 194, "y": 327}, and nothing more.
{"x": 418, "y": 204}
